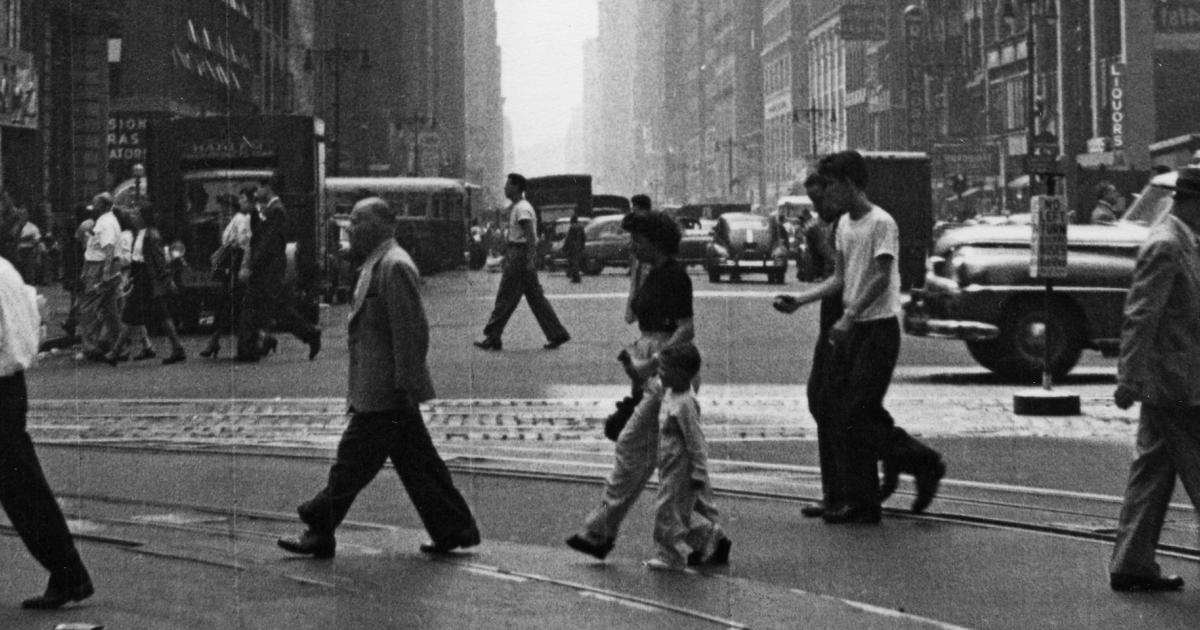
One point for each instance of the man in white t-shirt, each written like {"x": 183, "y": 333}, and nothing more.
{"x": 519, "y": 276}
{"x": 865, "y": 346}
{"x": 99, "y": 312}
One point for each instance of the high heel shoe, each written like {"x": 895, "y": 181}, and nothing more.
{"x": 211, "y": 352}
{"x": 269, "y": 345}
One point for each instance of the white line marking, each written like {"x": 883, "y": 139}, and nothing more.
{"x": 883, "y": 612}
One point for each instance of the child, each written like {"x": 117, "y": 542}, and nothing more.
{"x": 683, "y": 536}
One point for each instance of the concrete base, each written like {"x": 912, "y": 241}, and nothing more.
{"x": 1041, "y": 402}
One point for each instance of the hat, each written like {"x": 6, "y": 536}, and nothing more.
{"x": 1188, "y": 181}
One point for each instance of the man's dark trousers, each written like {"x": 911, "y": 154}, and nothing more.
{"x": 821, "y": 403}
{"x": 519, "y": 280}
{"x": 862, "y": 367}
{"x": 25, "y": 495}
{"x": 369, "y": 440}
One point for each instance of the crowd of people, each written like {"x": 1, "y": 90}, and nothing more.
{"x": 659, "y": 427}
{"x": 128, "y": 288}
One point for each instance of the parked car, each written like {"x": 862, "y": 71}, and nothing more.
{"x": 978, "y": 289}
{"x": 747, "y": 243}
{"x": 555, "y": 258}
{"x": 697, "y": 234}
{"x": 607, "y": 244}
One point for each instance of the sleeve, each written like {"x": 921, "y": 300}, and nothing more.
{"x": 1153, "y": 276}
{"x": 885, "y": 238}
{"x": 410, "y": 330}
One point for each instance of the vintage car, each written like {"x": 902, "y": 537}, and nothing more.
{"x": 697, "y": 234}
{"x": 747, "y": 243}
{"x": 607, "y": 244}
{"x": 978, "y": 288}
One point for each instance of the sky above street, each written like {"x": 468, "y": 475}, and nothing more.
{"x": 541, "y": 49}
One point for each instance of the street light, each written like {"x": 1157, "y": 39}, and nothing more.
{"x": 1041, "y": 147}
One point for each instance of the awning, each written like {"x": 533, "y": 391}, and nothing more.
{"x": 1019, "y": 182}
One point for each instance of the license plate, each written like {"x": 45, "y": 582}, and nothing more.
{"x": 750, "y": 263}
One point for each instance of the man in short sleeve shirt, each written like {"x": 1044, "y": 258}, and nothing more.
{"x": 519, "y": 277}
{"x": 101, "y": 280}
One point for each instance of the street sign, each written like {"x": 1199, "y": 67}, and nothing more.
{"x": 1048, "y": 257}
{"x": 1043, "y": 155}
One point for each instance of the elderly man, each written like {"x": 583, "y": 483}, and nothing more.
{"x": 101, "y": 281}
{"x": 1160, "y": 367}
{"x": 389, "y": 338}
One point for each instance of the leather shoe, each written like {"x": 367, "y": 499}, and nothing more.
{"x": 583, "y": 544}
{"x": 813, "y": 510}
{"x": 462, "y": 541}
{"x": 1127, "y": 582}
{"x": 488, "y": 343}
{"x": 852, "y": 514}
{"x": 57, "y": 597}
{"x": 310, "y": 543}
{"x": 554, "y": 343}
{"x": 927, "y": 486}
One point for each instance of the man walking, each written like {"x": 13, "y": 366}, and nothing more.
{"x": 267, "y": 299}
{"x": 1160, "y": 367}
{"x": 101, "y": 280}
{"x": 519, "y": 277}
{"x": 24, "y": 493}
{"x": 389, "y": 378}
{"x": 864, "y": 344}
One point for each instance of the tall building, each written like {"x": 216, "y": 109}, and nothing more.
{"x": 484, "y": 142}
{"x": 609, "y": 162}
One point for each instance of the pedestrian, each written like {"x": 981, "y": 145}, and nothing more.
{"x": 227, "y": 262}
{"x": 818, "y": 239}
{"x": 519, "y": 275}
{"x": 662, "y": 307}
{"x": 99, "y": 312}
{"x": 389, "y": 378}
{"x": 267, "y": 299}
{"x": 1108, "y": 204}
{"x": 639, "y": 204}
{"x": 573, "y": 248}
{"x": 864, "y": 345}
{"x": 151, "y": 288}
{"x": 24, "y": 493}
{"x": 1159, "y": 367}
{"x": 680, "y": 532}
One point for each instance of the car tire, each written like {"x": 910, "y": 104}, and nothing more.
{"x": 776, "y": 277}
{"x": 714, "y": 276}
{"x": 1018, "y": 352}
{"x": 592, "y": 267}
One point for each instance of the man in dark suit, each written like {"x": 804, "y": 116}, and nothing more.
{"x": 389, "y": 338}
{"x": 24, "y": 493}
{"x": 267, "y": 299}
{"x": 1160, "y": 367}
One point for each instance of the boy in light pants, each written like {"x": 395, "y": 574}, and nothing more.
{"x": 683, "y": 536}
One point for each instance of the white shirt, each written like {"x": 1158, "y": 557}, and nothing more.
{"x": 20, "y": 321}
{"x": 859, "y": 243}
{"x": 237, "y": 232}
{"x": 520, "y": 211}
{"x": 105, "y": 232}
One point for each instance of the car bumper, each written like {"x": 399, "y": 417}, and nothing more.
{"x": 743, "y": 266}
{"x": 935, "y": 316}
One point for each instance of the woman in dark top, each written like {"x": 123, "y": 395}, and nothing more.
{"x": 662, "y": 305}
{"x": 151, "y": 290}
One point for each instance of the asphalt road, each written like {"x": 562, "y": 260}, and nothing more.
{"x": 749, "y": 350}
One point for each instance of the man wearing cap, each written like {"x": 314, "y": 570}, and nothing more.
{"x": 1160, "y": 368}
{"x": 101, "y": 281}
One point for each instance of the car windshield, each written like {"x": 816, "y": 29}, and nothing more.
{"x": 1153, "y": 204}
{"x": 756, "y": 223}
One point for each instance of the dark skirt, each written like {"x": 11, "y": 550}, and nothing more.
{"x": 142, "y": 307}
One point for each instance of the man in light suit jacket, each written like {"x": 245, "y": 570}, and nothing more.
{"x": 1160, "y": 367}
{"x": 389, "y": 338}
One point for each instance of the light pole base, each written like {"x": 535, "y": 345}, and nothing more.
{"x": 1041, "y": 402}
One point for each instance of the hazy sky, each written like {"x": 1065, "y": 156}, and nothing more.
{"x": 541, "y": 49}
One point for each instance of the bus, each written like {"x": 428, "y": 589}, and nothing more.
{"x": 433, "y": 214}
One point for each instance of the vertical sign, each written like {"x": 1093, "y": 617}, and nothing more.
{"x": 1116, "y": 105}
{"x": 1048, "y": 258}
{"x": 914, "y": 80}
